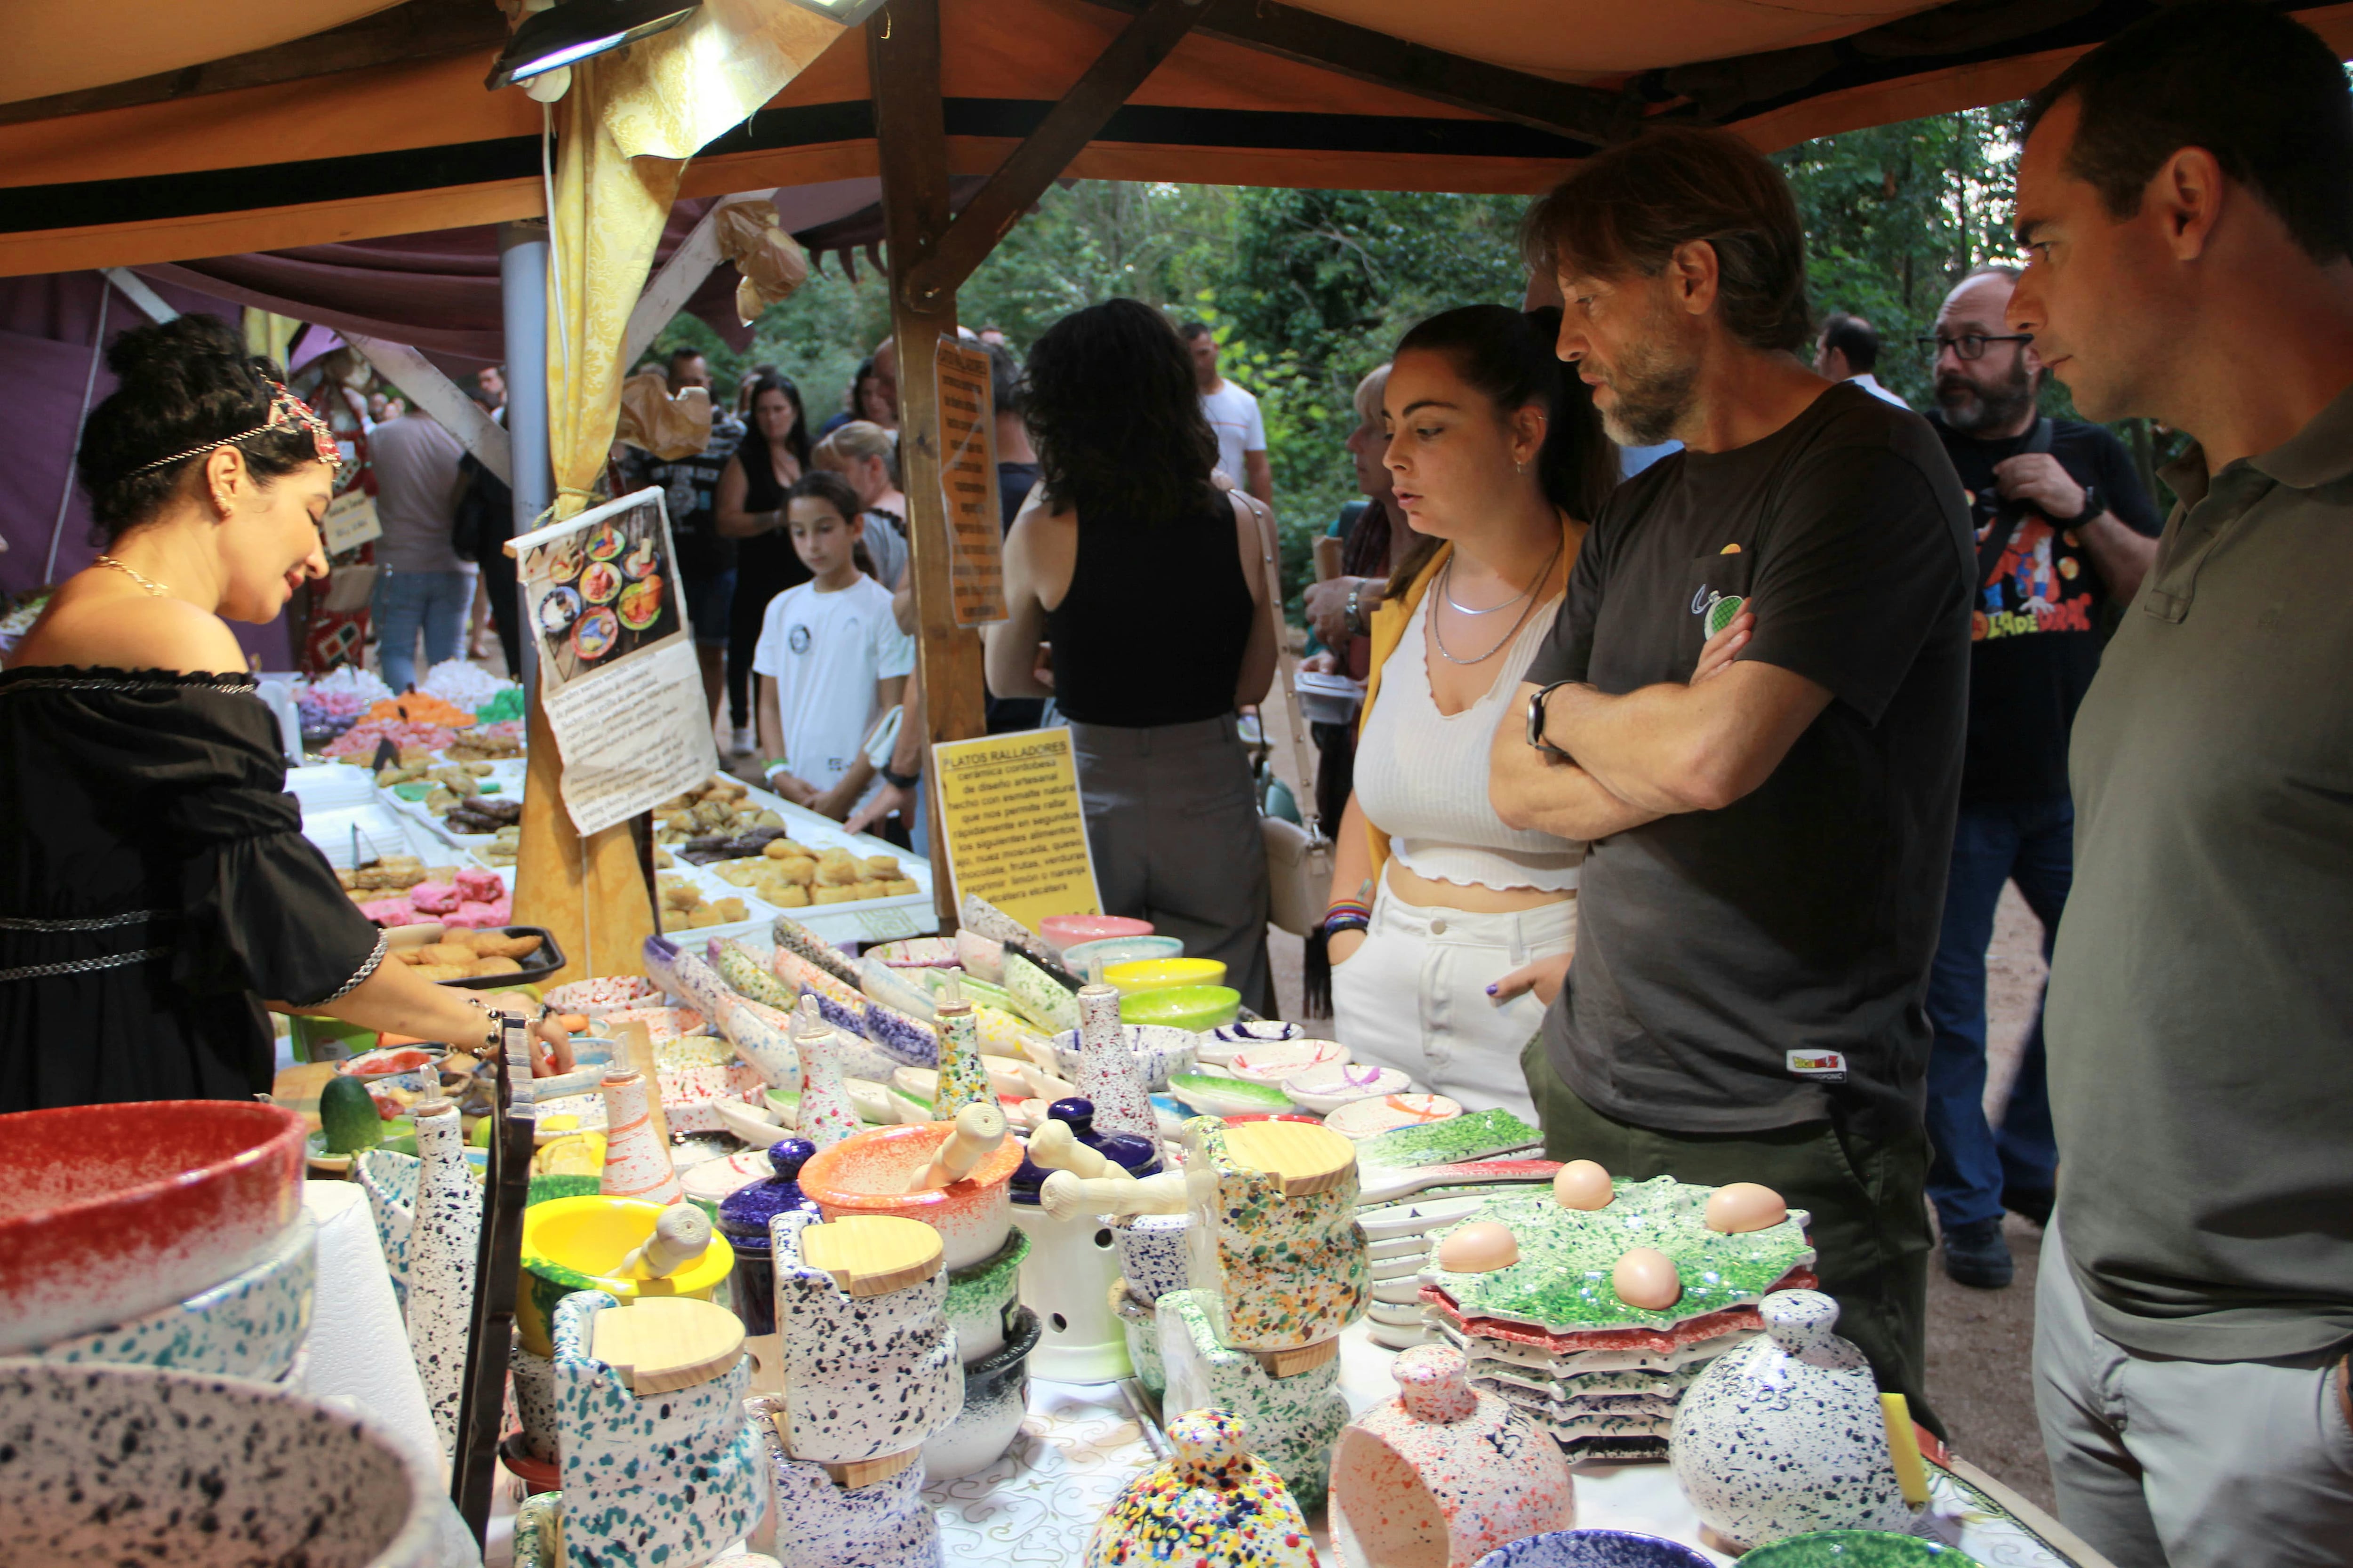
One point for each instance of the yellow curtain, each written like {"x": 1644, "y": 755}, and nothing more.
{"x": 624, "y": 131}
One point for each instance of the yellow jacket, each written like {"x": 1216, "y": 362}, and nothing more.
{"x": 1387, "y": 629}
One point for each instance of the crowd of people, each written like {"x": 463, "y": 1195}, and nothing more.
{"x": 1711, "y": 696}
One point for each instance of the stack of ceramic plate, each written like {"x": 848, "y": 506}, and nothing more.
{"x": 1549, "y": 1332}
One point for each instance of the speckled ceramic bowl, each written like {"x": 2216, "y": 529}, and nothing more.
{"x": 1325, "y": 1088}
{"x": 111, "y": 1212}
{"x": 1594, "y": 1549}
{"x": 1270, "y": 1065}
{"x": 1066, "y": 932}
{"x": 867, "y": 1173}
{"x": 251, "y": 1326}
{"x": 1113, "y": 949}
{"x": 996, "y": 1398}
{"x": 1160, "y": 1051}
{"x": 1856, "y": 1548}
{"x": 148, "y": 1455}
{"x": 1219, "y": 1045}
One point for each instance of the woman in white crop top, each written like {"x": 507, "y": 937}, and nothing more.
{"x": 1450, "y": 932}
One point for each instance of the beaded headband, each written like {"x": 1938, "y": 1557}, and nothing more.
{"x": 286, "y": 412}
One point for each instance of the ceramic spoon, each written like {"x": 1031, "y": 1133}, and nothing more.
{"x": 1382, "y": 1187}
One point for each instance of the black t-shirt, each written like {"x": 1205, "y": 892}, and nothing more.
{"x": 1752, "y": 967}
{"x": 1013, "y": 482}
{"x": 2035, "y": 633}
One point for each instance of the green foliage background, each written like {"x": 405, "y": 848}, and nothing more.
{"x": 1307, "y": 290}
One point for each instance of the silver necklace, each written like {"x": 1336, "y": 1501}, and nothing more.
{"x": 1445, "y": 580}
{"x": 1447, "y": 589}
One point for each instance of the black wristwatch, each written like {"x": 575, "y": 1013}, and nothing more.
{"x": 2095, "y": 503}
{"x": 1537, "y": 717}
{"x": 898, "y": 781}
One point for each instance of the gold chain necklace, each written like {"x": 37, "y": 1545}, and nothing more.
{"x": 154, "y": 590}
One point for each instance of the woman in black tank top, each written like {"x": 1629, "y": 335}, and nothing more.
{"x": 750, "y": 507}
{"x": 1130, "y": 512}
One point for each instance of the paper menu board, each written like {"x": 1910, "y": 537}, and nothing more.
{"x": 349, "y": 522}
{"x": 1016, "y": 831}
{"x": 618, "y": 671}
{"x": 968, "y": 448}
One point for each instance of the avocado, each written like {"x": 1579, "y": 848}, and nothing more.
{"x": 347, "y": 1114}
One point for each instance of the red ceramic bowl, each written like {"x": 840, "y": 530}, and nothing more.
{"x": 110, "y": 1211}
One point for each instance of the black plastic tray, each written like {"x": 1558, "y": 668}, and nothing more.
{"x": 546, "y": 962}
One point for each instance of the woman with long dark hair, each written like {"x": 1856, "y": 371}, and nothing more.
{"x": 1149, "y": 586}
{"x": 156, "y": 893}
{"x": 750, "y": 507}
{"x": 1447, "y": 927}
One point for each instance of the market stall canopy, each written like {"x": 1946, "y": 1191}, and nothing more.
{"x": 380, "y": 126}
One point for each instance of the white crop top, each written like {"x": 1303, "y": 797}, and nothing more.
{"x": 1421, "y": 775}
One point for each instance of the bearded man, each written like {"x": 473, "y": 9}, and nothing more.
{"x": 1751, "y": 707}
{"x": 2066, "y": 533}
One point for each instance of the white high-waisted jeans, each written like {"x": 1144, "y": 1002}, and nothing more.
{"x": 1414, "y": 997}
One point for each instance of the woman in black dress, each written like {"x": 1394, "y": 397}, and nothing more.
{"x": 750, "y": 507}
{"x": 156, "y": 893}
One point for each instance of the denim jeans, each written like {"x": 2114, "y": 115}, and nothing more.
{"x": 436, "y": 602}
{"x": 2032, "y": 843}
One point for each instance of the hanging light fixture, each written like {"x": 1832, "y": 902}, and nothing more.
{"x": 849, "y": 12}
{"x": 574, "y": 30}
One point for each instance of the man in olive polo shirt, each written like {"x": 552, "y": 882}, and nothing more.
{"x": 2186, "y": 199}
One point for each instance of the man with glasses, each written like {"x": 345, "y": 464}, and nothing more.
{"x": 2064, "y": 532}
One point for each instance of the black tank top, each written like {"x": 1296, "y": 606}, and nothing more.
{"x": 1119, "y": 655}
{"x": 767, "y": 564}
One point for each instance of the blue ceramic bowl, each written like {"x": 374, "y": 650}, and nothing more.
{"x": 1593, "y": 1549}
{"x": 1120, "y": 949}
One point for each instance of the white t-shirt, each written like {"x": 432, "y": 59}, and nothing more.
{"x": 824, "y": 652}
{"x": 1233, "y": 414}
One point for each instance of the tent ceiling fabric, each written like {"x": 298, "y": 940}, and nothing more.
{"x": 60, "y": 45}
{"x": 418, "y": 146}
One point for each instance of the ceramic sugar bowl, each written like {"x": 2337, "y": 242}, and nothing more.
{"x": 1784, "y": 1434}
{"x": 1212, "y": 1504}
{"x": 1442, "y": 1472}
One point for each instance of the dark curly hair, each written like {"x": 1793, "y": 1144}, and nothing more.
{"x": 1116, "y": 414}
{"x": 184, "y": 382}
{"x": 1507, "y": 355}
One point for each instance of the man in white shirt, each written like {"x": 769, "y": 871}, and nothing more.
{"x": 1233, "y": 414}
{"x": 1847, "y": 350}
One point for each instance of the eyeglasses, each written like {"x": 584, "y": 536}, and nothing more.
{"x": 1970, "y": 345}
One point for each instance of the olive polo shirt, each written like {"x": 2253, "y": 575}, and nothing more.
{"x": 2200, "y": 1005}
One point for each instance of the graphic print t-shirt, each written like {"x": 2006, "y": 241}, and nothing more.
{"x": 2035, "y": 633}
{"x": 824, "y": 652}
{"x": 1762, "y": 965}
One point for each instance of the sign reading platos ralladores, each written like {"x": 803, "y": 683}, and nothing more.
{"x": 1016, "y": 832}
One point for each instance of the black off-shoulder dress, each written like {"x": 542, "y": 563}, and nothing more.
{"x": 154, "y": 887}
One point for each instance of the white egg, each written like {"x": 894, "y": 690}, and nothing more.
{"x": 1477, "y": 1248}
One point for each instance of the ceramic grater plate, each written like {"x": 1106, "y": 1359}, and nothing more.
{"x": 1475, "y": 1136}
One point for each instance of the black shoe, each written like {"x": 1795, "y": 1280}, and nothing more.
{"x": 2029, "y": 1203}
{"x": 1977, "y": 1256}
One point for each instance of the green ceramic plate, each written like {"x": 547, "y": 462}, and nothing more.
{"x": 1856, "y": 1548}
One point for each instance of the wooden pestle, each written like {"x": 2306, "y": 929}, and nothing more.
{"x": 681, "y": 1236}
{"x": 1066, "y": 1196}
{"x": 978, "y": 1130}
{"x": 1054, "y": 1147}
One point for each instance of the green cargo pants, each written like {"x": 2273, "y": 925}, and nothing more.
{"x": 1869, "y": 1225}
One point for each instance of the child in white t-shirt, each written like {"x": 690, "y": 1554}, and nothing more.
{"x": 831, "y": 658}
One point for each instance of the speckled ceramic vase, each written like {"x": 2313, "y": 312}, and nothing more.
{"x": 1109, "y": 1074}
{"x": 667, "y": 1478}
{"x": 1442, "y": 1473}
{"x": 145, "y": 1453}
{"x": 1284, "y": 1271}
{"x": 1292, "y": 1421}
{"x": 868, "y": 1174}
{"x": 884, "y": 1524}
{"x": 1784, "y": 1434}
{"x": 865, "y": 1376}
{"x": 389, "y": 1179}
{"x": 743, "y": 1217}
{"x": 962, "y": 1079}
{"x": 637, "y": 1162}
{"x": 249, "y": 1326}
{"x": 443, "y": 1249}
{"x": 1212, "y": 1505}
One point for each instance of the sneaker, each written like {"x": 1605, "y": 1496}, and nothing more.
{"x": 1977, "y": 1256}
{"x": 2033, "y": 1203}
{"x": 745, "y": 740}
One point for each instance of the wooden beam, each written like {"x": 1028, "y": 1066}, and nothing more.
{"x": 902, "y": 50}
{"x": 1045, "y": 152}
{"x": 1586, "y": 113}
{"x": 422, "y": 383}
{"x": 419, "y": 30}
{"x": 669, "y": 289}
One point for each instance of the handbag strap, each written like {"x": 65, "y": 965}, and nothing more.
{"x": 1286, "y": 669}
{"x": 2010, "y": 514}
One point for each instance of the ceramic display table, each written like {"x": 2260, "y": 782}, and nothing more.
{"x": 1034, "y": 1508}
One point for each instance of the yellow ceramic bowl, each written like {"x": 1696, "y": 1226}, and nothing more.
{"x": 1160, "y": 973}
{"x": 1194, "y": 1007}
{"x": 576, "y": 1243}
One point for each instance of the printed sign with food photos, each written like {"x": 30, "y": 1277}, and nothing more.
{"x": 618, "y": 674}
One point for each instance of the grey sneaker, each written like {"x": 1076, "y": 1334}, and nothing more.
{"x": 1977, "y": 1256}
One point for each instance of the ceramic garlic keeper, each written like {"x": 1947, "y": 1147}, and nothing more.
{"x": 996, "y": 1399}
{"x": 1294, "y": 1421}
{"x": 146, "y": 1453}
{"x": 1212, "y": 1503}
{"x": 250, "y": 1326}
{"x": 867, "y": 1174}
{"x": 1442, "y": 1473}
{"x": 885, "y": 1524}
{"x": 1160, "y": 1051}
{"x": 667, "y": 1477}
{"x": 864, "y": 1376}
{"x": 1071, "y": 1270}
{"x": 1783, "y": 1435}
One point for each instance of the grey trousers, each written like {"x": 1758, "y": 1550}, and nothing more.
{"x": 2161, "y": 1463}
{"x": 1172, "y": 820}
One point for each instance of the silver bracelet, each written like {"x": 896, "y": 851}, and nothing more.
{"x": 1355, "y": 593}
